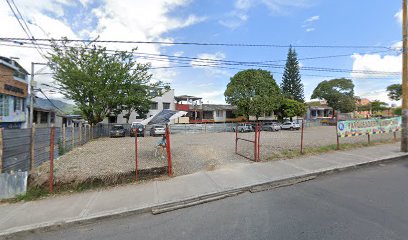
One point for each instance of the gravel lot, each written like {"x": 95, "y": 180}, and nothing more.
{"x": 110, "y": 157}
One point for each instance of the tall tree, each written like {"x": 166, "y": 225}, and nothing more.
{"x": 98, "y": 81}
{"x": 292, "y": 86}
{"x": 254, "y": 92}
{"x": 339, "y": 94}
{"x": 395, "y": 91}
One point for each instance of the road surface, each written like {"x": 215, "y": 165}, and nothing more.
{"x": 366, "y": 203}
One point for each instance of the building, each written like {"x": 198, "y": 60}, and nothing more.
{"x": 45, "y": 114}
{"x": 197, "y": 112}
{"x": 13, "y": 94}
{"x": 165, "y": 101}
{"x": 318, "y": 110}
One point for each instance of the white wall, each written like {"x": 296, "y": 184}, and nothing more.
{"x": 167, "y": 97}
{"x": 222, "y": 118}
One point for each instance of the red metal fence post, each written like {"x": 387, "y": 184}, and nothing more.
{"x": 136, "y": 160}
{"x": 301, "y": 137}
{"x": 259, "y": 142}
{"x": 256, "y": 142}
{"x": 170, "y": 170}
{"x": 51, "y": 176}
{"x": 236, "y": 138}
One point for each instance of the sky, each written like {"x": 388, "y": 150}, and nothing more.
{"x": 354, "y": 36}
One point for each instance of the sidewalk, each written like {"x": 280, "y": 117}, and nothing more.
{"x": 160, "y": 196}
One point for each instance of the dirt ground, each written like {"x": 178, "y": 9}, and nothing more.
{"x": 110, "y": 157}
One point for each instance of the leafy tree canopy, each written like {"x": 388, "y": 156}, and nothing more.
{"x": 253, "y": 91}
{"x": 339, "y": 94}
{"x": 291, "y": 108}
{"x": 101, "y": 82}
{"x": 394, "y": 91}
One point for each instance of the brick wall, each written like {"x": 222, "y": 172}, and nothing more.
{"x": 6, "y": 78}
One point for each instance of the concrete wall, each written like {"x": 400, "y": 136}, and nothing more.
{"x": 222, "y": 117}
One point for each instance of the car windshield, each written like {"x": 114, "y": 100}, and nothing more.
{"x": 117, "y": 127}
{"x": 137, "y": 125}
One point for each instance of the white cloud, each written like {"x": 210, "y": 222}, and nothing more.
{"x": 239, "y": 15}
{"x": 313, "y": 19}
{"x": 308, "y": 23}
{"x": 115, "y": 20}
{"x": 398, "y": 16}
{"x": 397, "y": 45}
{"x": 377, "y": 63}
{"x": 206, "y": 60}
{"x": 178, "y": 54}
{"x": 214, "y": 96}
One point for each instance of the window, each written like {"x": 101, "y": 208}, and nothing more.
{"x": 166, "y": 105}
{"x": 44, "y": 117}
{"x": 112, "y": 119}
{"x": 4, "y": 105}
{"x": 220, "y": 113}
{"x": 18, "y": 104}
{"x": 153, "y": 106}
{"x": 52, "y": 117}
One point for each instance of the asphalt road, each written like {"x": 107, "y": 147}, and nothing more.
{"x": 367, "y": 203}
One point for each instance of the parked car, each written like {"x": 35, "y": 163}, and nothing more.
{"x": 243, "y": 127}
{"x": 137, "y": 128}
{"x": 270, "y": 126}
{"x": 157, "y": 130}
{"x": 117, "y": 131}
{"x": 290, "y": 126}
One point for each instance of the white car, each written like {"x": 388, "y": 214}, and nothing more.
{"x": 290, "y": 126}
{"x": 243, "y": 127}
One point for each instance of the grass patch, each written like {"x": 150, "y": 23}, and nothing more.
{"x": 294, "y": 153}
{"x": 38, "y": 192}
{"x": 31, "y": 194}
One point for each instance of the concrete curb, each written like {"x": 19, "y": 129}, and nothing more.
{"x": 188, "y": 202}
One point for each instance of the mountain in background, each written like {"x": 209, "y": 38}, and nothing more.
{"x": 56, "y": 105}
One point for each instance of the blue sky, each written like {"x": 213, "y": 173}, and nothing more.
{"x": 280, "y": 22}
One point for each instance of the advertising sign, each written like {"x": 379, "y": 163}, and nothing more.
{"x": 359, "y": 127}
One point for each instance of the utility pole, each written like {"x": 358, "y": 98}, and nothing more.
{"x": 404, "y": 133}
{"x": 32, "y": 95}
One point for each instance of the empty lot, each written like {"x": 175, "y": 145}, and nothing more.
{"x": 107, "y": 157}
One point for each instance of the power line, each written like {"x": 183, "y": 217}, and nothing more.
{"x": 41, "y": 91}
{"x": 183, "y": 59}
{"x": 205, "y": 62}
{"x": 199, "y": 43}
{"x": 26, "y": 31}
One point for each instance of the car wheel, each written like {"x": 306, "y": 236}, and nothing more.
{"x": 291, "y": 129}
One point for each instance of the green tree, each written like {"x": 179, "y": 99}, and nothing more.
{"x": 394, "y": 91}
{"x": 339, "y": 94}
{"x": 378, "y": 106}
{"x": 292, "y": 86}
{"x": 290, "y": 108}
{"x": 100, "y": 82}
{"x": 254, "y": 92}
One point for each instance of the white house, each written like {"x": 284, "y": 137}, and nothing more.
{"x": 166, "y": 101}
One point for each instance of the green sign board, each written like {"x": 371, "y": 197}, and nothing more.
{"x": 352, "y": 128}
